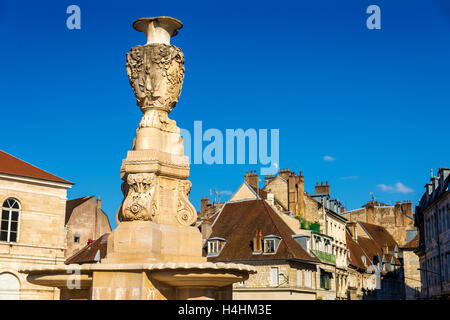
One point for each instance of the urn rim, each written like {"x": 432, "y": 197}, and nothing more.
{"x": 141, "y": 23}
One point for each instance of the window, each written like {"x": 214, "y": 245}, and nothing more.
{"x": 10, "y": 220}
{"x": 76, "y": 238}
{"x": 271, "y": 244}
{"x": 325, "y": 280}
{"x": 274, "y": 276}
{"x": 299, "y": 278}
{"x": 308, "y": 278}
{"x": 215, "y": 245}
{"x": 10, "y": 287}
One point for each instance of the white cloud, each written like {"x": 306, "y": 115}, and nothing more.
{"x": 329, "y": 158}
{"x": 396, "y": 188}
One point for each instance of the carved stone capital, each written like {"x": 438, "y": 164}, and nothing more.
{"x": 156, "y": 73}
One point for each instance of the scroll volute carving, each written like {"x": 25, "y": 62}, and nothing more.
{"x": 186, "y": 213}
{"x": 138, "y": 204}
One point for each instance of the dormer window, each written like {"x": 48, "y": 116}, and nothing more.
{"x": 215, "y": 246}
{"x": 363, "y": 258}
{"x": 271, "y": 244}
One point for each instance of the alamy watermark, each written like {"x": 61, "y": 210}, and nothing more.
{"x": 74, "y": 20}
{"x": 241, "y": 147}
{"x": 374, "y": 20}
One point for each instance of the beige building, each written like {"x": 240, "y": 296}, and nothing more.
{"x": 85, "y": 221}
{"x": 322, "y": 237}
{"x": 398, "y": 219}
{"x": 32, "y": 226}
{"x": 320, "y": 219}
{"x": 249, "y": 231}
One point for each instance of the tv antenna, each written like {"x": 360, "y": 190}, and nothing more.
{"x": 214, "y": 192}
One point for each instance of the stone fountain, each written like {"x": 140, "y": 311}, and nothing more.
{"x": 156, "y": 251}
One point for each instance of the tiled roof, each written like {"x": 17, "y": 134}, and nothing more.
{"x": 88, "y": 253}
{"x": 356, "y": 254}
{"x": 414, "y": 243}
{"x": 370, "y": 247}
{"x": 14, "y": 166}
{"x": 380, "y": 235}
{"x": 238, "y": 223}
{"x": 72, "y": 204}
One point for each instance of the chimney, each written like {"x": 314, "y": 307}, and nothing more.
{"x": 252, "y": 179}
{"x": 206, "y": 228}
{"x": 98, "y": 210}
{"x": 343, "y": 210}
{"x": 301, "y": 196}
{"x": 353, "y": 230}
{"x": 370, "y": 212}
{"x": 99, "y": 203}
{"x": 292, "y": 193}
{"x": 257, "y": 241}
{"x": 203, "y": 206}
{"x": 398, "y": 214}
{"x": 267, "y": 180}
{"x": 407, "y": 208}
{"x": 284, "y": 173}
{"x": 270, "y": 198}
{"x": 323, "y": 188}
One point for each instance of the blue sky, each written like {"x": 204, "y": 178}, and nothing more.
{"x": 376, "y": 102}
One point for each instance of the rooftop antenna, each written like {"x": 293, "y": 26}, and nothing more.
{"x": 216, "y": 194}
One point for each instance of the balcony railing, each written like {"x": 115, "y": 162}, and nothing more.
{"x": 304, "y": 224}
{"x": 325, "y": 256}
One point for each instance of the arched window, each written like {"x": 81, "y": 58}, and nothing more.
{"x": 10, "y": 220}
{"x": 9, "y": 287}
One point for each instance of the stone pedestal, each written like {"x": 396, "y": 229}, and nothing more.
{"x": 146, "y": 241}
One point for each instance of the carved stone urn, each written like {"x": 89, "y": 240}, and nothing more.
{"x": 155, "y": 170}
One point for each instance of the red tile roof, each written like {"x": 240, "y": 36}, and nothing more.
{"x": 356, "y": 254}
{"x": 414, "y": 243}
{"x": 14, "y": 166}
{"x": 380, "y": 235}
{"x": 238, "y": 223}
{"x": 89, "y": 252}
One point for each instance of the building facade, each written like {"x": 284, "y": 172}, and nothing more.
{"x": 433, "y": 220}
{"x": 32, "y": 226}
{"x": 85, "y": 221}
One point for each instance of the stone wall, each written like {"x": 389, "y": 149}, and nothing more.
{"x": 412, "y": 274}
{"x": 259, "y": 285}
{"x": 392, "y": 218}
{"x": 88, "y": 222}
